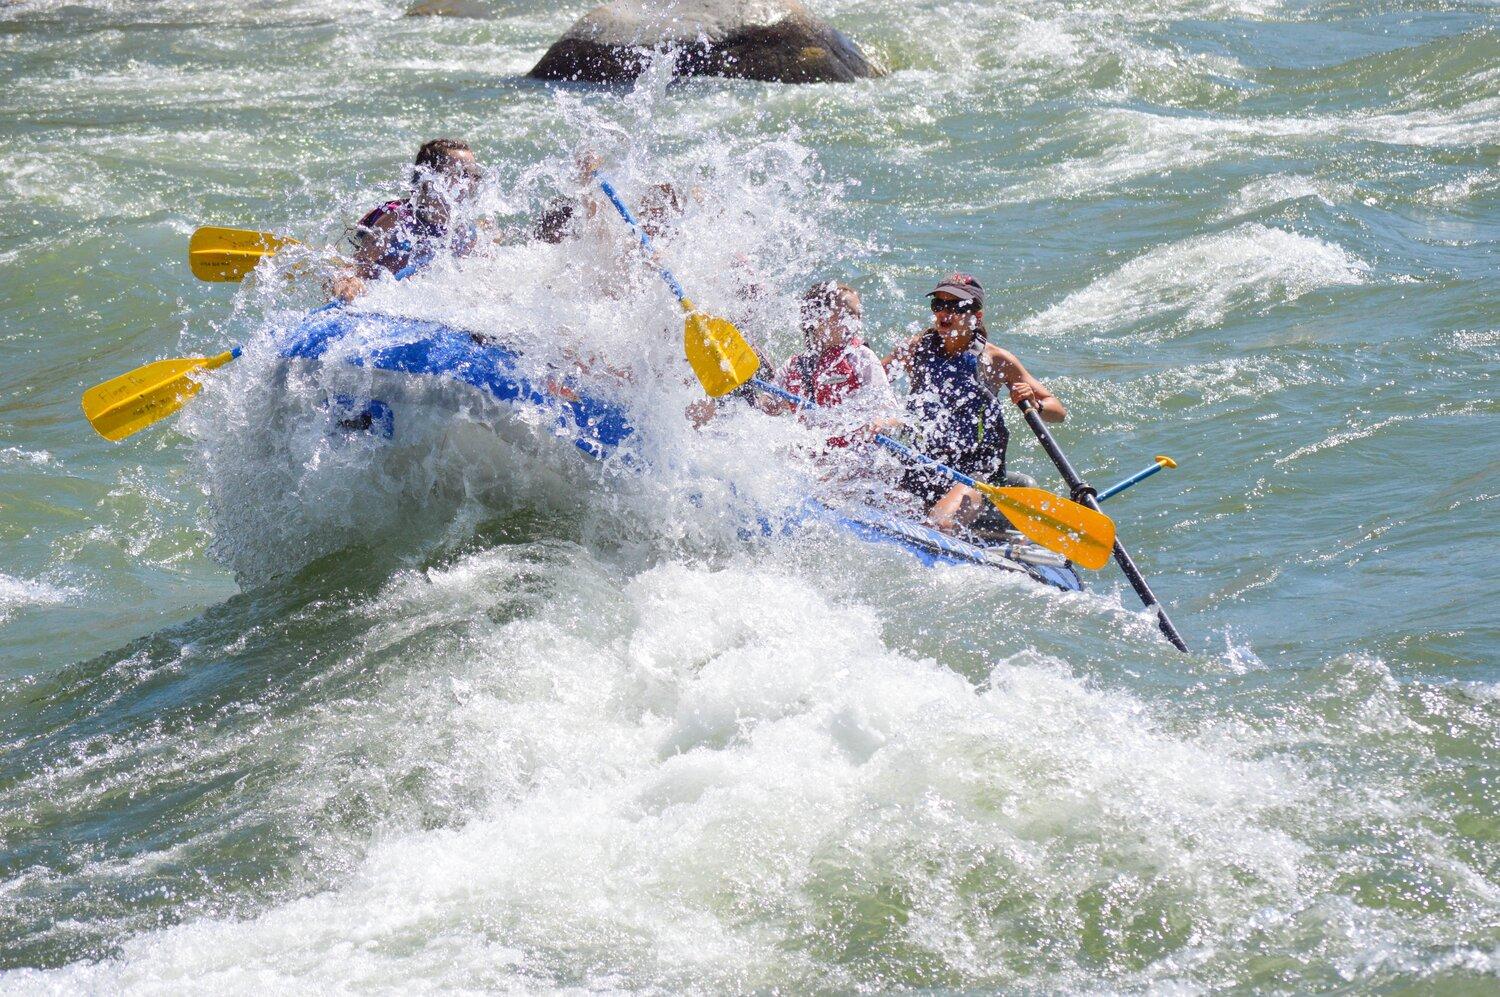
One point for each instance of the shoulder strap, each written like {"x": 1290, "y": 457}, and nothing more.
{"x": 375, "y": 214}
{"x": 807, "y": 367}
{"x": 922, "y": 358}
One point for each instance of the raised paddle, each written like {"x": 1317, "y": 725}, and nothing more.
{"x": 129, "y": 403}
{"x": 715, "y": 349}
{"x": 222, "y": 255}
{"x": 1084, "y": 494}
{"x": 1083, "y": 535}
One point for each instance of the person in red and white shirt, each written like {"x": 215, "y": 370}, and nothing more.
{"x": 836, "y": 370}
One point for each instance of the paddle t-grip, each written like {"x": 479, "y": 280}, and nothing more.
{"x": 1162, "y": 461}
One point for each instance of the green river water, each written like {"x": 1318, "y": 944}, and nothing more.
{"x": 277, "y": 716}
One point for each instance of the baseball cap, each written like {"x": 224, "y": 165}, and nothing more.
{"x": 962, "y": 286}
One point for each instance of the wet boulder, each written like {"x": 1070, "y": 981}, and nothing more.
{"x": 772, "y": 40}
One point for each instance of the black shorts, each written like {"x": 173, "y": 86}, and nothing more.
{"x": 929, "y": 486}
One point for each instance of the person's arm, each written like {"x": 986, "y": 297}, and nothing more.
{"x": 774, "y": 404}
{"x": 346, "y": 285}
{"x": 1003, "y": 372}
{"x": 876, "y": 396}
{"x": 588, "y": 163}
{"x": 703, "y": 411}
{"x": 370, "y": 243}
{"x": 488, "y": 230}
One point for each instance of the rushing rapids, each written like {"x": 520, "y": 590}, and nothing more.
{"x": 292, "y": 709}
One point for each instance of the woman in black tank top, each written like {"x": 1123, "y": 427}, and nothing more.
{"x": 959, "y": 383}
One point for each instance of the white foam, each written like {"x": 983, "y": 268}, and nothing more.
{"x": 1284, "y": 188}
{"x": 1200, "y": 280}
{"x": 1147, "y": 144}
{"x": 1475, "y": 124}
{"x": 18, "y": 593}
{"x": 20, "y": 455}
{"x": 1359, "y": 430}
{"x": 1463, "y": 189}
{"x": 288, "y": 496}
{"x": 689, "y": 782}
{"x": 275, "y": 11}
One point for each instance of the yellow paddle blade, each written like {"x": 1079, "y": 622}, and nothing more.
{"x": 228, "y": 254}
{"x": 133, "y": 401}
{"x": 718, "y": 353}
{"x": 1075, "y": 531}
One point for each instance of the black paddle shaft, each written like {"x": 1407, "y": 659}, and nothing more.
{"x": 1081, "y": 492}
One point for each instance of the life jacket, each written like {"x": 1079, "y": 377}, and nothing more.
{"x": 413, "y": 241}
{"x": 826, "y": 378}
{"x": 961, "y": 422}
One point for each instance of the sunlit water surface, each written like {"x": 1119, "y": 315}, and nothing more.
{"x": 285, "y": 713}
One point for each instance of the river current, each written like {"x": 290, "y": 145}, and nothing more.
{"x": 283, "y": 715}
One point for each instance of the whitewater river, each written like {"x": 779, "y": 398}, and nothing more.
{"x": 276, "y": 715}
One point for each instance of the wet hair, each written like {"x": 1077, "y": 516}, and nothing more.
{"x": 552, "y": 224}
{"x": 821, "y": 299}
{"x": 437, "y": 155}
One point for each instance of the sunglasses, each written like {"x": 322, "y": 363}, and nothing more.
{"x": 454, "y": 170}
{"x": 955, "y": 306}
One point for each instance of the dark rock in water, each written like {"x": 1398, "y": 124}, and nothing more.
{"x": 772, "y": 40}
{"x": 450, "y": 8}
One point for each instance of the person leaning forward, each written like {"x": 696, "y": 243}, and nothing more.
{"x": 835, "y": 370}
{"x": 959, "y": 385}
{"x": 412, "y": 230}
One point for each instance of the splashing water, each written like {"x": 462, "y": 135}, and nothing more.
{"x": 463, "y": 709}
{"x": 287, "y": 490}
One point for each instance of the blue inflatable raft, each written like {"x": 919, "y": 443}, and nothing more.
{"x": 432, "y": 350}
